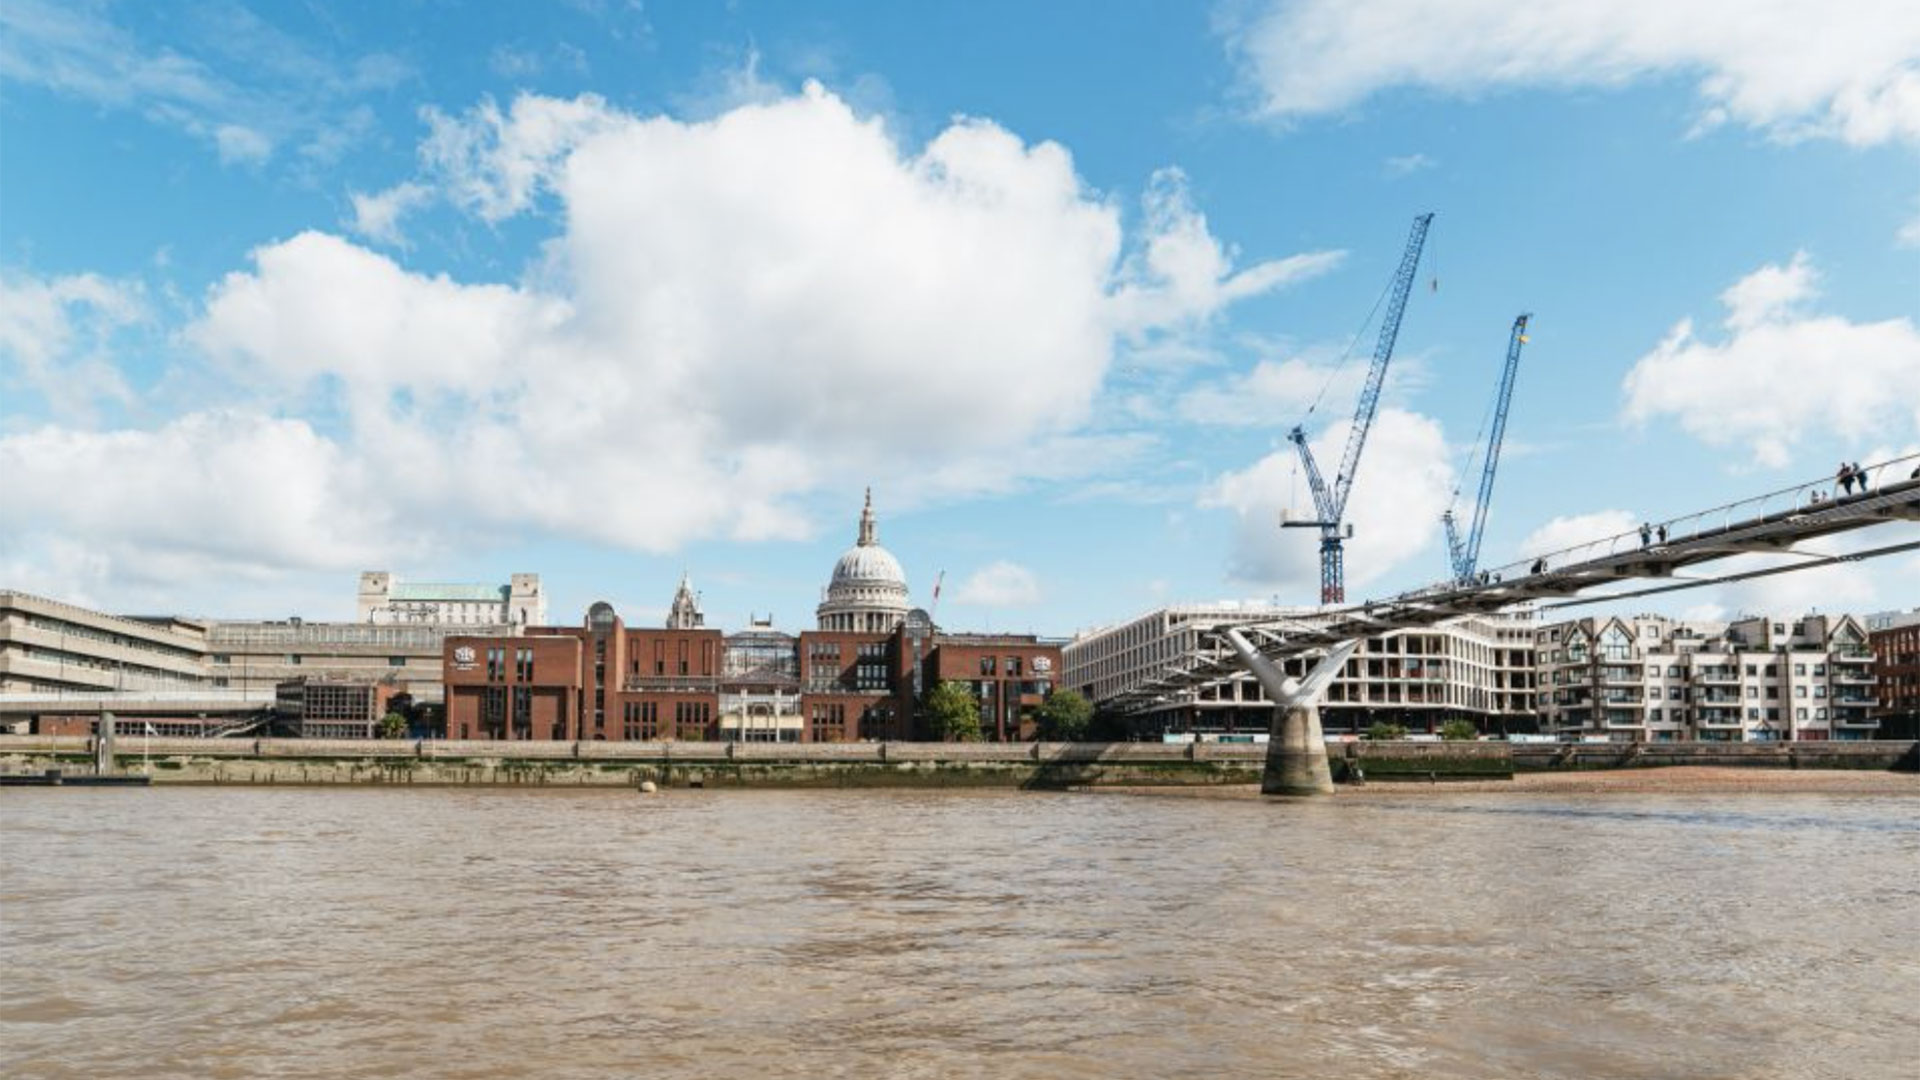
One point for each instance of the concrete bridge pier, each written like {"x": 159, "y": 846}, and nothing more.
{"x": 1296, "y": 747}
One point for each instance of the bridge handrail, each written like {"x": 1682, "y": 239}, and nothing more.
{"x": 1787, "y": 499}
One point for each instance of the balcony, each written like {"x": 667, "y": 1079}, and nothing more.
{"x": 1716, "y": 675}
{"x": 1718, "y": 718}
{"x": 679, "y": 684}
{"x": 1858, "y": 721}
{"x": 1716, "y": 697}
{"x": 1853, "y": 678}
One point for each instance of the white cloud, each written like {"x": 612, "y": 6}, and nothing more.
{"x": 734, "y": 315}
{"x": 1403, "y": 483}
{"x": 1183, "y": 275}
{"x": 999, "y": 585}
{"x": 1755, "y": 61}
{"x": 1781, "y": 374}
{"x": 1272, "y": 388}
{"x": 1575, "y": 530}
{"x": 495, "y": 163}
{"x": 229, "y": 78}
{"x": 1408, "y": 164}
{"x": 1909, "y": 235}
{"x": 206, "y": 494}
{"x": 55, "y": 335}
{"x": 377, "y": 216}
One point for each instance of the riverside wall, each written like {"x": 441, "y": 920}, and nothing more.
{"x": 1031, "y": 765}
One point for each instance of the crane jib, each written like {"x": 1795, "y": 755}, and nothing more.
{"x": 1332, "y": 501}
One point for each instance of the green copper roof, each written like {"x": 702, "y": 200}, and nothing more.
{"x": 486, "y": 594}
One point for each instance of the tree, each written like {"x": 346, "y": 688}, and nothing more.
{"x": 1459, "y": 731}
{"x": 393, "y": 726}
{"x": 1065, "y": 717}
{"x": 953, "y": 713}
{"x": 1382, "y": 731}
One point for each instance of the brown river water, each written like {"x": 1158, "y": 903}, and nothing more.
{"x": 475, "y": 933}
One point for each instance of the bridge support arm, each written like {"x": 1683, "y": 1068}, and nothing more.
{"x": 1296, "y": 747}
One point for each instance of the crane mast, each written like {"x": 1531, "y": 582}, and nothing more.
{"x": 1331, "y": 501}
{"x": 1465, "y": 554}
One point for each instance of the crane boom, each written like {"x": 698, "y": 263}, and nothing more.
{"x": 1331, "y": 502}
{"x": 1466, "y": 553}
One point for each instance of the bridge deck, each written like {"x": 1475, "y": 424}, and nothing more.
{"x": 1768, "y": 524}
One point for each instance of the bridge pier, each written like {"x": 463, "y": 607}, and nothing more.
{"x": 1296, "y": 746}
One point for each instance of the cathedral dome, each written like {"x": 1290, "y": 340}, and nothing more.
{"x": 869, "y": 565}
{"x": 868, "y": 592}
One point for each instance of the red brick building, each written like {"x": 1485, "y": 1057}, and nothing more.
{"x": 600, "y": 681}
{"x": 1896, "y": 669}
{"x": 1011, "y": 674}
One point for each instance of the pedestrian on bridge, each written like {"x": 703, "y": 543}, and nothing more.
{"x": 1646, "y": 534}
{"x": 1845, "y": 479}
{"x": 1661, "y": 533}
{"x": 1860, "y": 478}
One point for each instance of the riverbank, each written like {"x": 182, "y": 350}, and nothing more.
{"x": 434, "y": 763}
{"x": 1671, "y": 780}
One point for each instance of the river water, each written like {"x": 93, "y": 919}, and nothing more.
{"x": 473, "y": 933}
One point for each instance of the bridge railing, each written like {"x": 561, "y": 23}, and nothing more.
{"x": 1716, "y": 521}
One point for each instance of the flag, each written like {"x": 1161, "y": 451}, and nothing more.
{"x": 150, "y": 731}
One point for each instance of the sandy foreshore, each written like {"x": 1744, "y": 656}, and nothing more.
{"x": 1673, "y": 780}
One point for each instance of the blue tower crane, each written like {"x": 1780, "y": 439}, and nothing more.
{"x": 1331, "y": 502}
{"x": 1465, "y": 554}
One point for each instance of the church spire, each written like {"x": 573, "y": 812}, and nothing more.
{"x": 866, "y": 522}
{"x": 685, "y": 614}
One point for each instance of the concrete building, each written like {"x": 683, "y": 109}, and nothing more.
{"x": 868, "y": 591}
{"x": 1478, "y": 669}
{"x": 1648, "y": 678}
{"x": 385, "y": 600}
{"x": 47, "y": 646}
{"x": 259, "y": 656}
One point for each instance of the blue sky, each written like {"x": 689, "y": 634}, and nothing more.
{"x": 608, "y": 291}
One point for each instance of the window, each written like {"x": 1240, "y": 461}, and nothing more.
{"x": 1673, "y": 693}
{"x": 1753, "y": 714}
{"x": 1819, "y": 669}
{"x": 1799, "y": 669}
{"x": 1799, "y": 714}
{"x": 1013, "y": 667}
{"x": 293, "y": 658}
{"x": 1819, "y": 691}
{"x": 1752, "y": 669}
{"x": 1799, "y": 691}
{"x": 1753, "y": 691}
{"x": 1819, "y": 714}
{"x": 986, "y": 665}
{"x": 1673, "y": 672}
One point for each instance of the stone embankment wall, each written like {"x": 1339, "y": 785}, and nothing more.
{"x": 1034, "y": 765}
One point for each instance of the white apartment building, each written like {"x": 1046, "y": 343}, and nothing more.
{"x": 1480, "y": 669}
{"x": 1648, "y": 678}
{"x": 385, "y": 600}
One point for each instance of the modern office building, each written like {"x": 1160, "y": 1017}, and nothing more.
{"x": 1479, "y": 669}
{"x": 385, "y": 600}
{"x": 335, "y": 708}
{"x": 1649, "y": 678}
